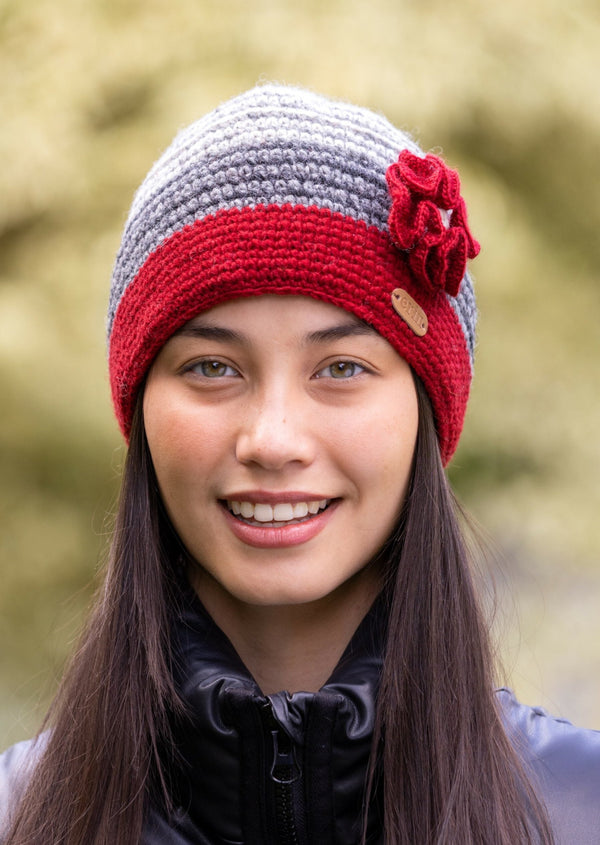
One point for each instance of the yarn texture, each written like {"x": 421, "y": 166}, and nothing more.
{"x": 283, "y": 191}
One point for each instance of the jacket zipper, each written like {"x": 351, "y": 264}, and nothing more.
{"x": 284, "y": 774}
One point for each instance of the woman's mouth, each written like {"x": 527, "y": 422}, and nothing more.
{"x": 278, "y": 525}
{"x": 277, "y": 515}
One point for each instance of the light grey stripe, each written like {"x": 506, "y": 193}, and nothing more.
{"x": 466, "y": 310}
{"x": 272, "y": 115}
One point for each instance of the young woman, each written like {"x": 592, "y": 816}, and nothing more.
{"x": 288, "y": 646}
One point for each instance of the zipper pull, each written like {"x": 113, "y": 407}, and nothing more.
{"x": 285, "y": 768}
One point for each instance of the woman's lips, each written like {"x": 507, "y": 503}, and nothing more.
{"x": 273, "y": 533}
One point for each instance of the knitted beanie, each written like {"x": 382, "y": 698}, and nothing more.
{"x": 283, "y": 191}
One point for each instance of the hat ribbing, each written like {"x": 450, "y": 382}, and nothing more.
{"x": 280, "y": 190}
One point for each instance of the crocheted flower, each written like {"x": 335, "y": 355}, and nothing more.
{"x": 428, "y": 220}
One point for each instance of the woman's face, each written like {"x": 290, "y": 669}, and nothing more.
{"x": 282, "y": 431}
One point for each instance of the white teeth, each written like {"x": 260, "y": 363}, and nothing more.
{"x": 282, "y": 512}
{"x": 300, "y": 510}
{"x": 263, "y": 513}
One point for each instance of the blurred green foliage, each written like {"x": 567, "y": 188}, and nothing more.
{"x": 93, "y": 91}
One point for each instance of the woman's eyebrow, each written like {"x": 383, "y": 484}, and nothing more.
{"x": 338, "y": 332}
{"x": 225, "y": 335}
{"x": 218, "y": 333}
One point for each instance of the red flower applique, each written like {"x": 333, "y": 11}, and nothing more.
{"x": 428, "y": 220}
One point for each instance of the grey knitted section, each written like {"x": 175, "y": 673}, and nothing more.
{"x": 272, "y": 145}
{"x": 465, "y": 309}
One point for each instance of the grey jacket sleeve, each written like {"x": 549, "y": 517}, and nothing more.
{"x": 565, "y": 763}
{"x": 15, "y": 764}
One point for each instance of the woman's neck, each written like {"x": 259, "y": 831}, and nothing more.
{"x": 292, "y": 647}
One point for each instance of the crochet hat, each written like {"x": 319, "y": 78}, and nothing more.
{"x": 283, "y": 191}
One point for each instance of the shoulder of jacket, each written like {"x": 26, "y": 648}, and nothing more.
{"x": 16, "y": 764}
{"x": 564, "y": 763}
{"x": 546, "y": 735}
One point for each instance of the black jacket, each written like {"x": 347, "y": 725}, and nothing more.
{"x": 283, "y": 768}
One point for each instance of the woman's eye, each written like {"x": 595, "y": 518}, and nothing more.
{"x": 213, "y": 369}
{"x": 341, "y": 370}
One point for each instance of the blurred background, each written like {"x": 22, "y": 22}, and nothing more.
{"x": 93, "y": 90}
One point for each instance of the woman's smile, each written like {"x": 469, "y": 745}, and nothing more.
{"x": 278, "y": 514}
{"x": 279, "y": 526}
{"x": 282, "y": 432}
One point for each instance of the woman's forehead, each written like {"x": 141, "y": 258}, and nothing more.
{"x": 303, "y": 314}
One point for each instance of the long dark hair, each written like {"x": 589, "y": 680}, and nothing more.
{"x": 103, "y": 733}
{"x": 449, "y": 772}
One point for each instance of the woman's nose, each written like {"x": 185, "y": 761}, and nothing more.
{"x": 274, "y": 432}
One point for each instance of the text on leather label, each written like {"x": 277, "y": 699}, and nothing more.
{"x": 410, "y": 311}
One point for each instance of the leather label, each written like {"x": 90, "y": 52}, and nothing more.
{"x": 410, "y": 311}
